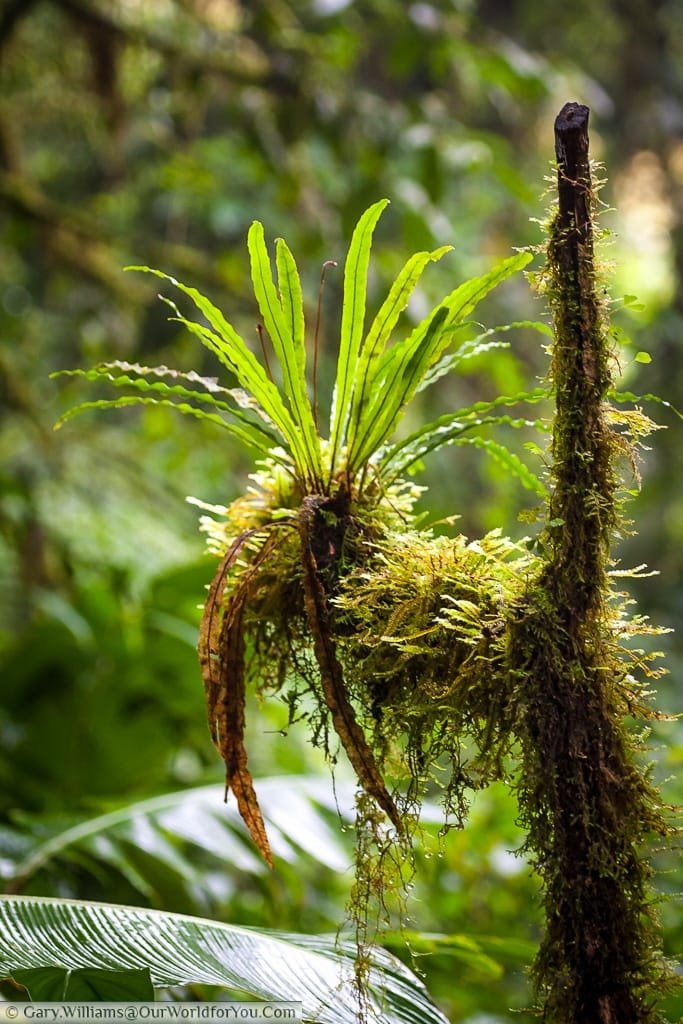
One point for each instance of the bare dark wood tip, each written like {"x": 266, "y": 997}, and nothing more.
{"x": 573, "y": 117}
{"x": 571, "y": 138}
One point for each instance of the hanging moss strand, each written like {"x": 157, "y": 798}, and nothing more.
{"x": 585, "y": 802}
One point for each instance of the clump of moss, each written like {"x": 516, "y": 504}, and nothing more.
{"x": 427, "y": 655}
{"x": 348, "y": 609}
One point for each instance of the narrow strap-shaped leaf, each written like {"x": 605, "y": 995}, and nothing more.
{"x": 241, "y": 396}
{"x": 442, "y": 431}
{"x": 460, "y": 304}
{"x": 281, "y": 320}
{"x": 398, "y": 387}
{"x": 511, "y": 462}
{"x": 101, "y": 373}
{"x": 450, "y": 434}
{"x": 403, "y": 367}
{"x": 479, "y": 346}
{"x": 380, "y": 332}
{"x": 209, "y": 384}
{"x": 247, "y": 434}
{"x": 464, "y": 299}
{"x": 447, "y": 364}
{"x": 230, "y": 349}
{"x": 353, "y": 322}
{"x": 292, "y": 304}
{"x": 291, "y": 300}
{"x": 629, "y": 396}
{"x": 263, "y": 390}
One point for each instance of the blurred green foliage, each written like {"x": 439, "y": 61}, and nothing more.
{"x": 154, "y": 133}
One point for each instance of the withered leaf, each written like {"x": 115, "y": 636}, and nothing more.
{"x": 221, "y": 655}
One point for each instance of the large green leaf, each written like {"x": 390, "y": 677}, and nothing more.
{"x": 180, "y": 950}
{"x": 60, "y": 984}
{"x": 301, "y": 815}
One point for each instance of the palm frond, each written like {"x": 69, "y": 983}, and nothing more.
{"x": 300, "y": 811}
{"x": 179, "y": 950}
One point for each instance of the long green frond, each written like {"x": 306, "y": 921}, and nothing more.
{"x": 231, "y": 350}
{"x": 467, "y": 296}
{"x": 397, "y": 386}
{"x": 404, "y": 366}
{"x": 234, "y": 350}
{"x": 629, "y": 396}
{"x": 442, "y": 431}
{"x": 380, "y": 332}
{"x": 478, "y": 346}
{"x": 141, "y": 383}
{"x": 353, "y": 322}
{"x": 292, "y": 301}
{"x": 247, "y": 434}
{"x": 283, "y": 321}
{"x": 510, "y": 462}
